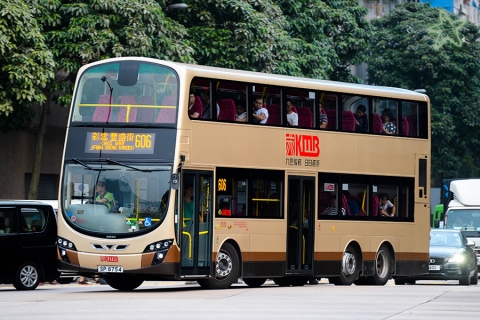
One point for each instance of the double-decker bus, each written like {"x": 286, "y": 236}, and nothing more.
{"x": 160, "y": 181}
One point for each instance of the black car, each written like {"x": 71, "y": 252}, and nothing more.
{"x": 451, "y": 258}
{"x": 28, "y": 251}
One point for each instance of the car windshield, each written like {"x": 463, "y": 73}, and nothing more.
{"x": 446, "y": 239}
{"x": 464, "y": 219}
{"x": 115, "y": 198}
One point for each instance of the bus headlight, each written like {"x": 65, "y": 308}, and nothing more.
{"x": 64, "y": 245}
{"x": 160, "y": 248}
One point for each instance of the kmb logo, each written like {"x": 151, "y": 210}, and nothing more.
{"x": 302, "y": 145}
{"x": 108, "y": 259}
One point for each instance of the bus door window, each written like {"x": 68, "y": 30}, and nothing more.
{"x": 301, "y": 221}
{"x": 265, "y": 198}
{"x": 196, "y": 227}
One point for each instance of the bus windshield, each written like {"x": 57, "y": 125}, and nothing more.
{"x": 115, "y": 198}
{"x": 126, "y": 92}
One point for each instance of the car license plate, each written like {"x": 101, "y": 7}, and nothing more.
{"x": 110, "y": 269}
{"x": 434, "y": 267}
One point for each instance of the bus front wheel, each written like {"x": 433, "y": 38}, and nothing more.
{"x": 124, "y": 282}
{"x": 226, "y": 269}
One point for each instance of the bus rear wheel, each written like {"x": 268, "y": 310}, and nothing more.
{"x": 254, "y": 282}
{"x": 349, "y": 268}
{"x": 383, "y": 267}
{"x": 124, "y": 282}
{"x": 226, "y": 269}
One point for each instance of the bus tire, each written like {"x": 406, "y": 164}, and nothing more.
{"x": 282, "y": 282}
{"x": 226, "y": 269}
{"x": 27, "y": 276}
{"x": 254, "y": 282}
{"x": 350, "y": 264}
{"x": 124, "y": 282}
{"x": 383, "y": 267}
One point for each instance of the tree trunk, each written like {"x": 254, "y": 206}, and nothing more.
{"x": 37, "y": 160}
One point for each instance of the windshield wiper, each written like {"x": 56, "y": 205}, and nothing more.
{"x": 133, "y": 168}
{"x": 90, "y": 168}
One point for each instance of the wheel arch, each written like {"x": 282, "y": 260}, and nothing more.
{"x": 239, "y": 253}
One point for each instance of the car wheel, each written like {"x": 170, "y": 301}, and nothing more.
{"x": 474, "y": 278}
{"x": 465, "y": 281}
{"x": 27, "y": 276}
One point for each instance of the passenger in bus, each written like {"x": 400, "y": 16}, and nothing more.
{"x": 292, "y": 117}
{"x": 385, "y": 206}
{"x": 332, "y": 210}
{"x": 241, "y": 111}
{"x": 260, "y": 114}
{"x": 353, "y": 207}
{"x": 388, "y": 126}
{"x": 322, "y": 117}
{"x": 361, "y": 119}
{"x": 103, "y": 196}
{"x": 206, "y": 105}
{"x": 193, "y": 109}
{"x": 187, "y": 204}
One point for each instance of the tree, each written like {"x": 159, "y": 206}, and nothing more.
{"x": 416, "y": 46}
{"x": 26, "y": 64}
{"x": 317, "y": 39}
{"x": 80, "y": 32}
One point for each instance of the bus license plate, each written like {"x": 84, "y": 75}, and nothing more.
{"x": 110, "y": 269}
{"x": 434, "y": 267}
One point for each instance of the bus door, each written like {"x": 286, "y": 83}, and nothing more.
{"x": 301, "y": 223}
{"x": 196, "y": 222}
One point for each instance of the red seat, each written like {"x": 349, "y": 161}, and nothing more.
{"x": 345, "y": 205}
{"x": 124, "y": 102}
{"x": 227, "y": 110}
{"x": 375, "y": 206}
{"x": 102, "y": 112}
{"x": 274, "y": 114}
{"x": 305, "y": 117}
{"x": 348, "y": 121}
{"x": 332, "y": 119}
{"x": 146, "y": 115}
{"x": 377, "y": 123}
{"x": 167, "y": 115}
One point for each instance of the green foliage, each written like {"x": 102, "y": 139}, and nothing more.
{"x": 80, "y": 32}
{"x": 311, "y": 38}
{"x": 407, "y": 52}
{"x": 26, "y": 64}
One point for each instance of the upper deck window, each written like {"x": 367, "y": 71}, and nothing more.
{"x": 126, "y": 92}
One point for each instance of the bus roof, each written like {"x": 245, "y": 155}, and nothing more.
{"x": 269, "y": 78}
{"x": 466, "y": 192}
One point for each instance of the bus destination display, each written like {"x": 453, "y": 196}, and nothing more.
{"x": 120, "y": 142}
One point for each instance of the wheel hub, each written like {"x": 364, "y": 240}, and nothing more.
{"x": 349, "y": 264}
{"x": 28, "y": 276}
{"x": 224, "y": 265}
